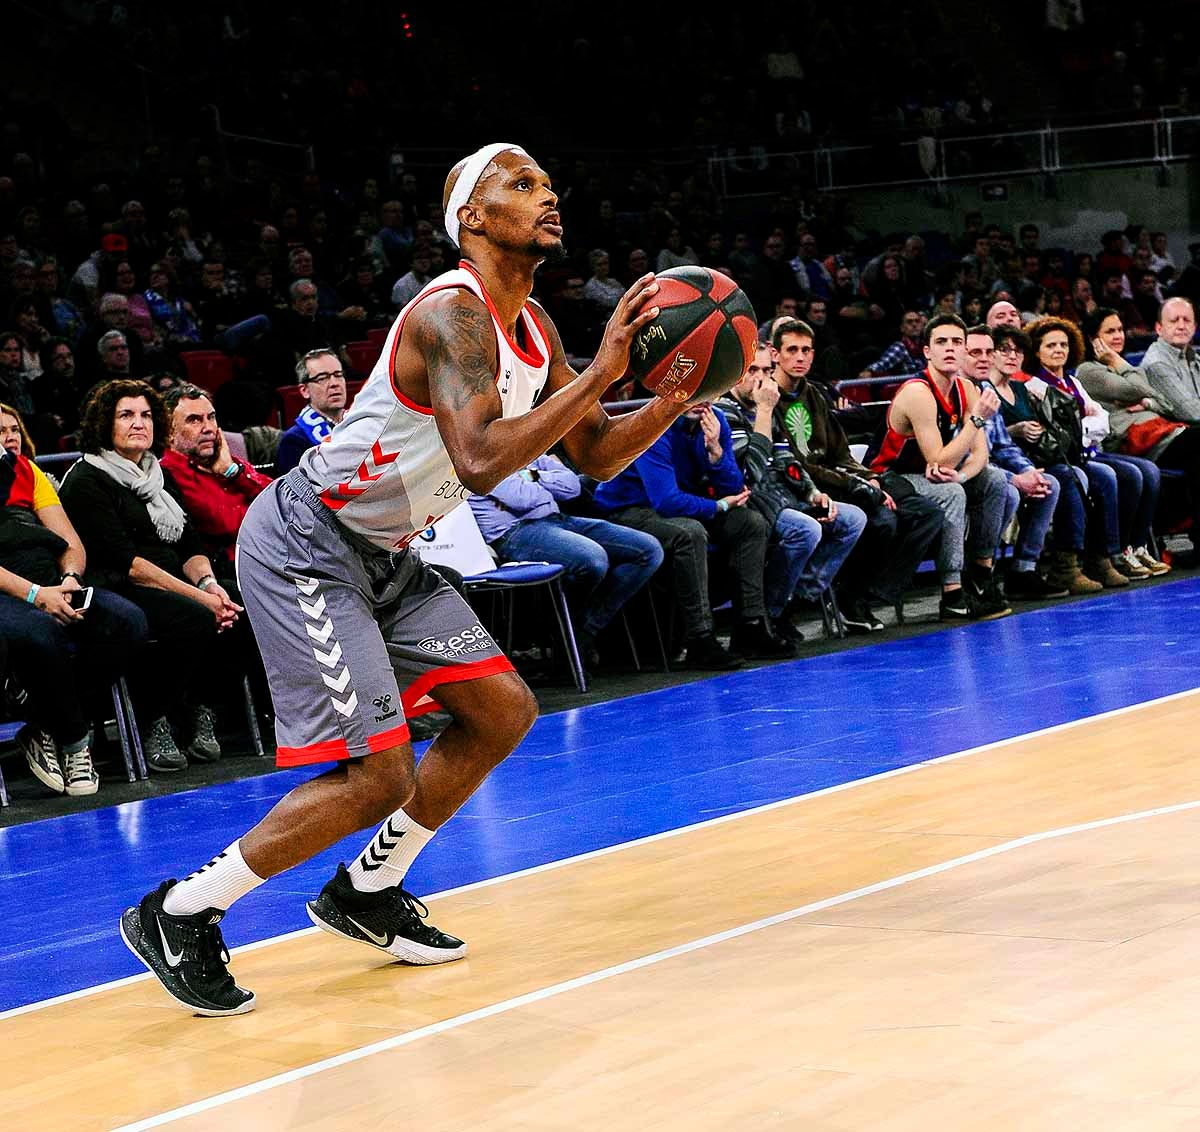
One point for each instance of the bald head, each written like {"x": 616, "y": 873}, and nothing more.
{"x": 1003, "y": 313}
{"x": 1177, "y": 322}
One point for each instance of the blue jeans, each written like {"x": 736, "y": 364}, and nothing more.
{"x": 1070, "y": 514}
{"x": 804, "y": 554}
{"x": 606, "y": 564}
{"x": 1138, "y": 484}
{"x": 58, "y": 664}
{"x": 1035, "y": 519}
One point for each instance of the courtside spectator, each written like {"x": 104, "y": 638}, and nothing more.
{"x": 323, "y": 385}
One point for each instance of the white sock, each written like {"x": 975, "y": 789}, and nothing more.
{"x": 218, "y": 884}
{"x": 390, "y": 853}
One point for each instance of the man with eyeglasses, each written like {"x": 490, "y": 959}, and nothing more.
{"x": 1032, "y": 495}
{"x": 323, "y": 386}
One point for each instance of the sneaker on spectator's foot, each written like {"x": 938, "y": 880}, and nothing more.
{"x": 707, "y": 653}
{"x": 1127, "y": 563}
{"x": 81, "y": 777}
{"x": 755, "y": 641}
{"x": 1031, "y": 586}
{"x": 1143, "y": 555}
{"x": 204, "y": 747}
{"x": 859, "y": 619}
{"x": 984, "y": 595}
{"x": 160, "y": 750}
{"x": 391, "y": 920}
{"x": 41, "y": 753}
{"x": 954, "y": 606}
{"x": 187, "y": 954}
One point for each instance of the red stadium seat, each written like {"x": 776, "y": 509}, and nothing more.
{"x": 378, "y": 336}
{"x": 209, "y": 369}
{"x": 362, "y": 356}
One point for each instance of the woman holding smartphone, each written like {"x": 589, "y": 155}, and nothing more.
{"x": 64, "y": 638}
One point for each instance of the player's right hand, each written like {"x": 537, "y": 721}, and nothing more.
{"x": 633, "y": 312}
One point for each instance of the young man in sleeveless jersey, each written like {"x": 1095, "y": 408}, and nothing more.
{"x": 357, "y": 634}
{"x": 934, "y": 436}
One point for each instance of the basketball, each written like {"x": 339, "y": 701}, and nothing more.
{"x": 702, "y": 340}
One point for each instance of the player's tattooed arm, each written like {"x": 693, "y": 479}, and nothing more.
{"x": 459, "y": 346}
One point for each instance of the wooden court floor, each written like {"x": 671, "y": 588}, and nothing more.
{"x": 1007, "y": 940}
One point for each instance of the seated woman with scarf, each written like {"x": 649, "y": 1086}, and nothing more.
{"x": 57, "y": 652}
{"x": 1123, "y": 489}
{"x": 140, "y": 544}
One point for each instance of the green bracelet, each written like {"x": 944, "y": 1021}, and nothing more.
{"x": 31, "y": 597}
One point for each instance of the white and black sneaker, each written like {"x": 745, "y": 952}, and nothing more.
{"x": 79, "y": 773}
{"x": 391, "y": 920}
{"x": 41, "y": 753}
{"x": 859, "y": 619}
{"x": 187, "y": 954}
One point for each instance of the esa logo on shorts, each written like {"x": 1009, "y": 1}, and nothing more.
{"x": 473, "y": 639}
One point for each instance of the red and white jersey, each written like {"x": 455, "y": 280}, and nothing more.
{"x": 385, "y": 471}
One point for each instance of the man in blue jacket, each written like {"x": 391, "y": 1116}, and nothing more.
{"x": 687, "y": 491}
{"x": 606, "y": 564}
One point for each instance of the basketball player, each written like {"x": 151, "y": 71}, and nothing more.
{"x": 356, "y": 633}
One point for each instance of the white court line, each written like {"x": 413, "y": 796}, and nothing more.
{"x": 557, "y": 989}
{"x": 997, "y": 744}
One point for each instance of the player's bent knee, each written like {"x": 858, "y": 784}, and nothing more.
{"x": 384, "y": 782}
{"x": 498, "y": 709}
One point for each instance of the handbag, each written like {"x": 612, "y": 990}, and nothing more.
{"x": 1061, "y": 441}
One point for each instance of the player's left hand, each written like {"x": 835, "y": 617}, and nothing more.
{"x": 633, "y": 312}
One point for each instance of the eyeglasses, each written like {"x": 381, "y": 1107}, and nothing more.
{"x": 322, "y": 378}
{"x": 1009, "y": 349}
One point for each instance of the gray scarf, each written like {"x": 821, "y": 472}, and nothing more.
{"x": 145, "y": 480}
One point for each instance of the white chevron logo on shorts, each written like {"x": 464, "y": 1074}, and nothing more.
{"x": 322, "y": 634}
{"x": 347, "y": 707}
{"x": 317, "y": 609}
{"x": 306, "y": 586}
{"x": 338, "y": 684}
{"x": 330, "y": 658}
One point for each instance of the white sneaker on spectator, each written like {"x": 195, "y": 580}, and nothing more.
{"x": 204, "y": 746}
{"x": 41, "y": 753}
{"x": 160, "y": 750}
{"x": 1154, "y": 565}
{"x": 81, "y": 776}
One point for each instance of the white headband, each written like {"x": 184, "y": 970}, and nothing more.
{"x": 469, "y": 178}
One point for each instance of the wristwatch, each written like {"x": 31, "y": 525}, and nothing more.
{"x": 978, "y": 422}
{"x": 206, "y": 581}
{"x": 71, "y": 574}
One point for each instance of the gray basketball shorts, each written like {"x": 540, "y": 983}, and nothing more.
{"x": 355, "y": 639}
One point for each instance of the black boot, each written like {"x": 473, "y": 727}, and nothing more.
{"x": 755, "y": 641}
{"x": 707, "y": 653}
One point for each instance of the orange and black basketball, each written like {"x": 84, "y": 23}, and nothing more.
{"x": 702, "y": 340}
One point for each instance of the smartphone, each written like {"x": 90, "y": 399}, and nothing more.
{"x": 818, "y": 512}
{"x": 80, "y": 599}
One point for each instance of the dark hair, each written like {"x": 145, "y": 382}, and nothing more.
{"x": 21, "y": 306}
{"x": 1002, "y": 334}
{"x": 1027, "y": 297}
{"x": 943, "y": 320}
{"x": 1028, "y": 228}
{"x": 182, "y": 392}
{"x": 1091, "y": 328}
{"x": 793, "y": 326}
{"x": 5, "y": 335}
{"x": 1040, "y": 327}
{"x": 100, "y": 411}
{"x": 48, "y": 348}
{"x": 981, "y": 328}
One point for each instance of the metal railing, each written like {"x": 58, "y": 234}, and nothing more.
{"x": 935, "y": 161}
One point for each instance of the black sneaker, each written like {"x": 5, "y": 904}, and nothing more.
{"x": 859, "y": 619}
{"x": 984, "y": 595}
{"x": 954, "y": 606}
{"x": 707, "y": 653}
{"x": 187, "y": 954}
{"x": 391, "y": 920}
{"x": 755, "y": 641}
{"x": 1032, "y": 586}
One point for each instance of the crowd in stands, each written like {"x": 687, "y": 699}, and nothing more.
{"x": 192, "y": 335}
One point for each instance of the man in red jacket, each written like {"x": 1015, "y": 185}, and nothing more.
{"x": 216, "y": 487}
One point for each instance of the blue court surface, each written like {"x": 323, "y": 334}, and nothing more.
{"x": 601, "y": 775}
